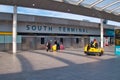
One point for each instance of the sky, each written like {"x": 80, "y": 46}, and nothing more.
{"x": 41, "y": 12}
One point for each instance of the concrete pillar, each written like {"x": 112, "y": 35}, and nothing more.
{"x": 101, "y": 32}
{"x": 14, "y": 35}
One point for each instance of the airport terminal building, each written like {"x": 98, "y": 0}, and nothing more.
{"x": 34, "y": 31}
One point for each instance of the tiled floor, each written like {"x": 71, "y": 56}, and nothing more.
{"x": 69, "y": 64}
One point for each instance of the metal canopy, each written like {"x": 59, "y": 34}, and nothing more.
{"x": 110, "y": 6}
{"x": 105, "y": 9}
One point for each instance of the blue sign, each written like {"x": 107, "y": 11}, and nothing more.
{"x": 117, "y": 50}
{"x": 109, "y": 32}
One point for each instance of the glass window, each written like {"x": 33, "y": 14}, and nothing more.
{"x": 77, "y": 40}
{"x": 42, "y": 40}
{"x": 2, "y": 39}
{"x": 19, "y": 39}
{"x": 61, "y": 40}
{"x": 8, "y": 39}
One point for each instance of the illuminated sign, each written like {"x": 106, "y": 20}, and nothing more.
{"x": 117, "y": 50}
{"x": 117, "y": 41}
{"x": 117, "y": 37}
{"x": 117, "y": 32}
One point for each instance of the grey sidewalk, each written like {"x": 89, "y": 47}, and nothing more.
{"x": 69, "y": 64}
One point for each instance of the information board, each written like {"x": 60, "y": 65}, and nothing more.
{"x": 117, "y": 41}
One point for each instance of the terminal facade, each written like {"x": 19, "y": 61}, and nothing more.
{"x": 34, "y": 31}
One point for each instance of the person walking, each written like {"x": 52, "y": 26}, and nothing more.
{"x": 48, "y": 46}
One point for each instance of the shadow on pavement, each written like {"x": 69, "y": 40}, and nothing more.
{"x": 101, "y": 70}
{"x": 25, "y": 64}
{"x": 82, "y": 55}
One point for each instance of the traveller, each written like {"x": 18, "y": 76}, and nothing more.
{"x": 58, "y": 46}
{"x": 48, "y": 46}
{"x": 95, "y": 44}
{"x": 61, "y": 46}
{"x": 54, "y": 47}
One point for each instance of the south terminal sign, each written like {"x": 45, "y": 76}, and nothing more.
{"x": 58, "y": 29}
{"x": 50, "y": 28}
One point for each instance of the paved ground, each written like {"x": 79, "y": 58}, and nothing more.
{"x": 69, "y": 64}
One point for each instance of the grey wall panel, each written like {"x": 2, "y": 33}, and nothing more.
{"x": 26, "y": 18}
{"x": 51, "y": 20}
{"x": 5, "y": 16}
{"x": 5, "y": 26}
